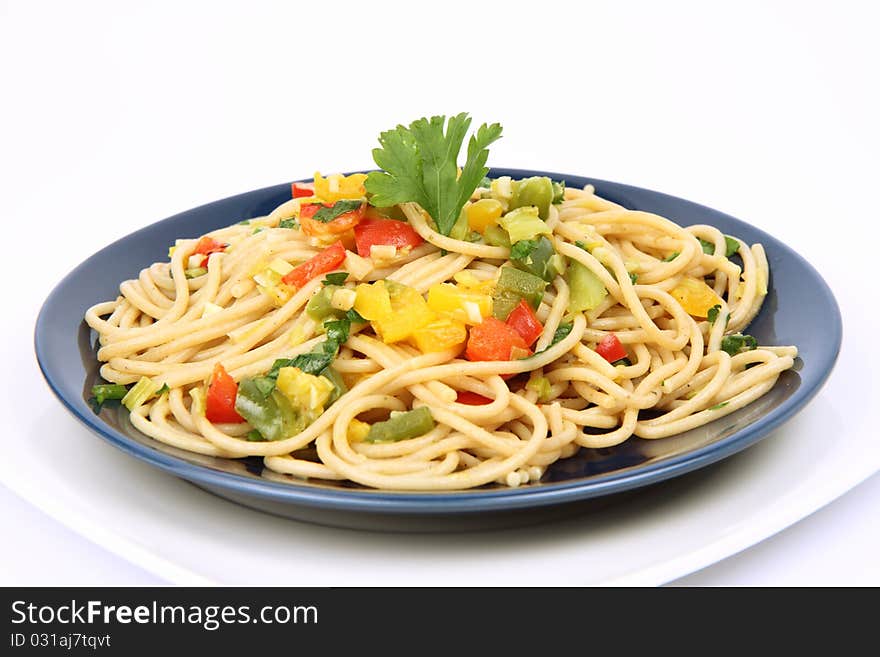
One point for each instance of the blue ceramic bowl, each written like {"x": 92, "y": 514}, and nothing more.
{"x": 800, "y": 309}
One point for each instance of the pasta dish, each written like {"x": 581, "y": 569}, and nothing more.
{"x": 424, "y": 327}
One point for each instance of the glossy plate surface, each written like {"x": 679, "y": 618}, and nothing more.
{"x": 800, "y": 309}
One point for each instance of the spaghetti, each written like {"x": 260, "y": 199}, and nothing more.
{"x": 636, "y": 331}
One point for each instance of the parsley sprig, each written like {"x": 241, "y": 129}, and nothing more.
{"x": 420, "y": 164}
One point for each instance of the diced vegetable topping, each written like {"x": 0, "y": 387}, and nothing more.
{"x": 736, "y": 343}
{"x": 483, "y": 213}
{"x": 142, "y": 391}
{"x": 106, "y": 391}
{"x": 536, "y": 191}
{"x": 586, "y": 290}
{"x": 513, "y": 285}
{"x": 220, "y": 400}
{"x": 372, "y": 232}
{"x": 420, "y": 164}
{"x": 205, "y": 247}
{"x": 453, "y": 301}
{"x": 320, "y": 220}
{"x": 495, "y": 340}
{"x": 695, "y": 296}
{"x": 471, "y": 398}
{"x": 732, "y": 245}
{"x": 336, "y": 187}
{"x": 537, "y": 257}
{"x": 440, "y": 334}
{"x": 402, "y": 426}
{"x": 523, "y": 320}
{"x": 328, "y": 260}
{"x": 301, "y": 190}
{"x": 611, "y": 349}
{"x": 395, "y": 310}
{"x": 524, "y": 224}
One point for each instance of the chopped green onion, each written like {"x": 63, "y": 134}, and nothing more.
{"x": 288, "y": 223}
{"x": 717, "y": 406}
{"x": 558, "y": 192}
{"x": 732, "y": 245}
{"x": 258, "y": 229}
{"x": 633, "y": 278}
{"x": 195, "y": 272}
{"x": 540, "y": 385}
{"x": 106, "y": 391}
{"x": 672, "y": 256}
{"x": 143, "y": 390}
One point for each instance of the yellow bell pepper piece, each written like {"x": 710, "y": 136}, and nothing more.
{"x": 304, "y": 391}
{"x": 452, "y": 301}
{"x": 695, "y": 296}
{"x": 372, "y": 301}
{"x": 337, "y": 187}
{"x": 439, "y": 335}
{"x": 357, "y": 431}
{"x": 484, "y": 213}
{"x": 408, "y": 313}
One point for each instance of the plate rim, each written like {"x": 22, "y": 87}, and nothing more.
{"x": 447, "y": 502}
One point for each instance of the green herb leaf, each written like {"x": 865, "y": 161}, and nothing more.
{"x": 712, "y": 315}
{"x": 337, "y": 331}
{"x": 672, "y": 256}
{"x": 161, "y": 391}
{"x": 633, "y": 278}
{"x": 420, "y": 165}
{"x": 708, "y": 247}
{"x": 244, "y": 222}
{"x": 312, "y": 363}
{"x": 354, "y": 317}
{"x": 623, "y": 361}
{"x": 486, "y": 183}
{"x": 732, "y": 245}
{"x": 326, "y": 215}
{"x": 258, "y": 229}
{"x": 581, "y": 245}
{"x": 717, "y": 406}
{"x": 736, "y": 343}
{"x": 336, "y": 278}
{"x": 288, "y": 223}
{"x": 522, "y": 249}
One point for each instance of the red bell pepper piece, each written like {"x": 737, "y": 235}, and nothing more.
{"x": 471, "y": 398}
{"x": 384, "y": 231}
{"x": 610, "y": 348}
{"x": 206, "y": 246}
{"x": 495, "y": 340}
{"x": 301, "y": 190}
{"x": 220, "y": 400}
{"x": 524, "y": 321}
{"x": 327, "y": 260}
{"x": 344, "y": 222}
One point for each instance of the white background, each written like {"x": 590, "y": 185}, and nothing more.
{"x": 114, "y": 116}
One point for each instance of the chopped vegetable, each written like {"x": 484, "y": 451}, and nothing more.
{"x": 695, "y": 296}
{"x": 471, "y": 398}
{"x": 732, "y": 245}
{"x": 195, "y": 272}
{"x": 523, "y": 320}
{"x": 513, "y": 285}
{"x": 494, "y": 340}
{"x": 336, "y": 278}
{"x": 672, "y": 256}
{"x": 712, "y": 313}
{"x": 220, "y": 400}
{"x": 326, "y": 261}
{"x": 106, "y": 391}
{"x": 537, "y": 257}
{"x": 536, "y": 191}
{"x": 558, "y": 192}
{"x": 372, "y": 232}
{"x": 708, "y": 247}
{"x": 718, "y": 406}
{"x": 357, "y": 431}
{"x": 336, "y": 187}
{"x": 206, "y": 246}
{"x": 624, "y": 362}
{"x": 320, "y": 306}
{"x": 272, "y": 415}
{"x": 306, "y": 392}
{"x": 586, "y": 289}
{"x": 524, "y": 224}
{"x": 496, "y": 236}
{"x": 440, "y": 334}
{"x": 409, "y": 311}
{"x": 402, "y": 426}
{"x": 736, "y": 343}
{"x": 611, "y": 349}
{"x": 455, "y": 302}
{"x": 322, "y": 220}
{"x": 142, "y": 391}
{"x": 420, "y": 165}
{"x": 483, "y": 213}
{"x": 301, "y": 190}
{"x": 540, "y": 385}
{"x": 288, "y": 223}
{"x": 372, "y": 301}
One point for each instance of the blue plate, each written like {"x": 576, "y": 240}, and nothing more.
{"x": 800, "y": 309}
